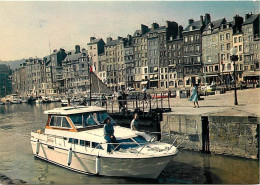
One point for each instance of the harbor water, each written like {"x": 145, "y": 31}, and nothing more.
{"x": 188, "y": 167}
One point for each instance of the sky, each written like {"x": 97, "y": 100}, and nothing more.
{"x": 33, "y": 28}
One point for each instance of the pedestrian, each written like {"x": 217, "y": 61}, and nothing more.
{"x": 144, "y": 91}
{"x": 134, "y": 123}
{"x": 109, "y": 133}
{"x": 194, "y": 95}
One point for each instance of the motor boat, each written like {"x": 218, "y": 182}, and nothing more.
{"x": 73, "y": 138}
{"x": 39, "y": 101}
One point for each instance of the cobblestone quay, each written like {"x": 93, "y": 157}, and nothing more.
{"x": 217, "y": 126}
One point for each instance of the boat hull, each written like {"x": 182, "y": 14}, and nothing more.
{"x": 149, "y": 167}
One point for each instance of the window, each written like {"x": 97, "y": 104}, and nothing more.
{"x": 228, "y": 46}
{"x": 222, "y": 57}
{"x": 55, "y": 121}
{"x": 197, "y": 48}
{"x": 191, "y": 38}
{"x": 65, "y": 123}
{"x": 222, "y": 48}
{"x": 185, "y": 39}
{"x": 240, "y": 47}
{"x": 216, "y": 68}
{"x": 221, "y": 37}
{"x": 191, "y": 48}
{"x": 227, "y": 36}
{"x": 240, "y": 39}
{"x": 229, "y": 66}
{"x": 235, "y": 40}
{"x": 197, "y": 37}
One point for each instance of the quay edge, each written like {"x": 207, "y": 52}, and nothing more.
{"x": 6, "y": 180}
{"x": 216, "y": 133}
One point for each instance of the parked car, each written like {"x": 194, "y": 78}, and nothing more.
{"x": 207, "y": 89}
{"x": 130, "y": 89}
{"x": 242, "y": 85}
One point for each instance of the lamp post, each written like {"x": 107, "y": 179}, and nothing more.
{"x": 234, "y": 58}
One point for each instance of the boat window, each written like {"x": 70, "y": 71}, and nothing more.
{"x": 55, "y": 121}
{"x": 76, "y": 119}
{"x": 84, "y": 143}
{"x": 90, "y": 119}
{"x": 94, "y": 145}
{"x": 75, "y": 141}
{"x": 65, "y": 123}
{"x": 140, "y": 139}
{"x": 127, "y": 143}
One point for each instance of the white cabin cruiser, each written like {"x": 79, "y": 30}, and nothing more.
{"x": 74, "y": 139}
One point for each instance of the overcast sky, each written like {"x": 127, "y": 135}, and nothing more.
{"x": 27, "y": 28}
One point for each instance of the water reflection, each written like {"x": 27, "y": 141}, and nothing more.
{"x": 17, "y": 161}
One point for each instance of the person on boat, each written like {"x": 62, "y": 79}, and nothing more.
{"x": 109, "y": 133}
{"x": 194, "y": 95}
{"x": 134, "y": 123}
{"x": 90, "y": 121}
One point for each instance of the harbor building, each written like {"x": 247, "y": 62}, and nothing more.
{"x": 76, "y": 71}
{"x": 95, "y": 47}
{"x": 210, "y": 51}
{"x": 5, "y": 80}
{"x": 175, "y": 61}
{"x": 192, "y": 48}
{"x": 251, "y": 47}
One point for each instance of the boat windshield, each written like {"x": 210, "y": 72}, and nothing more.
{"x": 131, "y": 142}
{"x": 89, "y": 119}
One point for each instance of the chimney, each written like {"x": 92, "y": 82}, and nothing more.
{"x": 201, "y": 19}
{"x": 190, "y": 21}
{"x": 154, "y": 26}
{"x": 238, "y": 20}
{"x": 247, "y": 16}
{"x": 144, "y": 29}
{"x": 109, "y": 39}
{"x": 180, "y": 29}
{"x": 207, "y": 19}
{"x": 129, "y": 37}
{"x": 92, "y": 38}
{"x": 77, "y": 49}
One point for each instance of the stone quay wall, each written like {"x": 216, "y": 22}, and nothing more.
{"x": 228, "y": 135}
{"x": 185, "y": 127}
{"x": 234, "y": 135}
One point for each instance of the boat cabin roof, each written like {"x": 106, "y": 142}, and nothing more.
{"x": 74, "y": 110}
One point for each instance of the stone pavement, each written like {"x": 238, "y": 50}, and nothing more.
{"x": 223, "y": 104}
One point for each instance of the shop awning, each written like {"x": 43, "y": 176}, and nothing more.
{"x": 253, "y": 73}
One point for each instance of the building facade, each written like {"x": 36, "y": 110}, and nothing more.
{"x": 210, "y": 52}
{"x": 251, "y": 49}
{"x": 76, "y": 72}
{"x": 5, "y": 80}
{"x": 95, "y": 47}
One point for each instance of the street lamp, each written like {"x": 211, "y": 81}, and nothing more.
{"x": 234, "y": 58}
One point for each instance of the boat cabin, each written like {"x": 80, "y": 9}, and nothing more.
{"x": 76, "y": 119}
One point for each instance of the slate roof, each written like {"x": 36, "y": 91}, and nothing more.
{"x": 196, "y": 26}
{"x": 251, "y": 19}
{"x": 73, "y": 57}
{"x": 216, "y": 24}
{"x": 95, "y": 41}
{"x": 113, "y": 42}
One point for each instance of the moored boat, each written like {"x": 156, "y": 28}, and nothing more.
{"x": 73, "y": 138}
